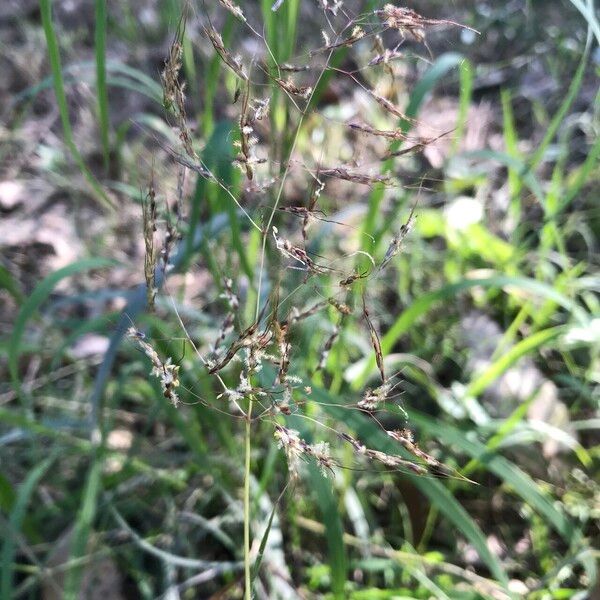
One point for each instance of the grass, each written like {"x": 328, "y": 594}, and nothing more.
{"x": 230, "y": 477}
{"x": 61, "y": 100}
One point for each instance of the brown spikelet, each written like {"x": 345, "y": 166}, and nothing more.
{"x": 342, "y": 308}
{"x": 393, "y": 134}
{"x": 293, "y": 68}
{"x": 375, "y": 342}
{"x": 173, "y": 89}
{"x": 231, "y": 61}
{"x": 234, "y": 9}
{"x": 388, "y": 106}
{"x": 245, "y": 131}
{"x": 352, "y": 278}
{"x": 284, "y": 347}
{"x": 287, "y": 85}
{"x": 358, "y": 33}
{"x": 297, "y": 316}
{"x": 418, "y": 146}
{"x": 353, "y": 176}
{"x": 396, "y": 243}
{"x": 149, "y": 223}
{"x": 389, "y": 460}
{"x": 384, "y": 56}
{"x": 324, "y": 354}
{"x": 297, "y": 254}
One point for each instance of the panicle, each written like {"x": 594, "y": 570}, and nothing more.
{"x": 165, "y": 371}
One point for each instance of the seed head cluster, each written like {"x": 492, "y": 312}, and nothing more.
{"x": 262, "y": 363}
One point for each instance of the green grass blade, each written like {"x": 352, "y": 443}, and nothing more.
{"x": 41, "y": 292}
{"x": 510, "y": 357}
{"x": 560, "y": 115}
{"x": 371, "y": 435}
{"x": 118, "y": 74}
{"x": 580, "y": 177}
{"x": 83, "y": 526}
{"x": 7, "y": 282}
{"x": 334, "y": 531}
{"x": 263, "y": 545}
{"x": 511, "y": 163}
{"x": 520, "y": 482}
{"x": 17, "y": 515}
{"x": 61, "y": 100}
{"x": 511, "y": 141}
{"x": 101, "y": 89}
{"x": 80, "y": 446}
{"x": 464, "y": 102}
{"x": 587, "y": 10}
{"x": 427, "y": 301}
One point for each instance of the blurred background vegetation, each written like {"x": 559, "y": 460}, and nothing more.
{"x": 490, "y": 312}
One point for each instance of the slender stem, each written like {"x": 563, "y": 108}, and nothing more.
{"x": 247, "y": 565}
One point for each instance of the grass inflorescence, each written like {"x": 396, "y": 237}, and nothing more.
{"x": 363, "y": 358}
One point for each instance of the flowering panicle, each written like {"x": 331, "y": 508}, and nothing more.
{"x": 165, "y": 371}
{"x": 297, "y": 254}
{"x": 355, "y": 177}
{"x": 389, "y": 460}
{"x": 234, "y": 9}
{"x": 396, "y": 243}
{"x": 296, "y": 448}
{"x": 373, "y": 400}
{"x": 268, "y": 341}
{"x": 233, "y": 62}
{"x": 173, "y": 89}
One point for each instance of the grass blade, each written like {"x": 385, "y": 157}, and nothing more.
{"x": 521, "y": 483}
{"x": 560, "y": 115}
{"x": 510, "y": 357}
{"x": 425, "y": 302}
{"x": 61, "y": 100}
{"x": 334, "y": 531}
{"x": 16, "y": 519}
{"x": 439, "y": 496}
{"x": 101, "y": 89}
{"x": 587, "y": 10}
{"x": 7, "y": 282}
{"x": 31, "y": 305}
{"x": 83, "y": 526}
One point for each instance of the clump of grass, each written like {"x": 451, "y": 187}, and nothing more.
{"x": 261, "y": 379}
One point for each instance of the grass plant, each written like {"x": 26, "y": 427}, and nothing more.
{"x": 312, "y": 418}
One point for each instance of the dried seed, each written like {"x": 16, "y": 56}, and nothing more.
{"x": 375, "y": 342}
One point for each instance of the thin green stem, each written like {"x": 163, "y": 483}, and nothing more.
{"x": 247, "y": 562}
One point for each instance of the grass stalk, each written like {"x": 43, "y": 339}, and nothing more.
{"x": 247, "y": 561}
{"x": 61, "y": 100}
{"x": 101, "y": 89}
